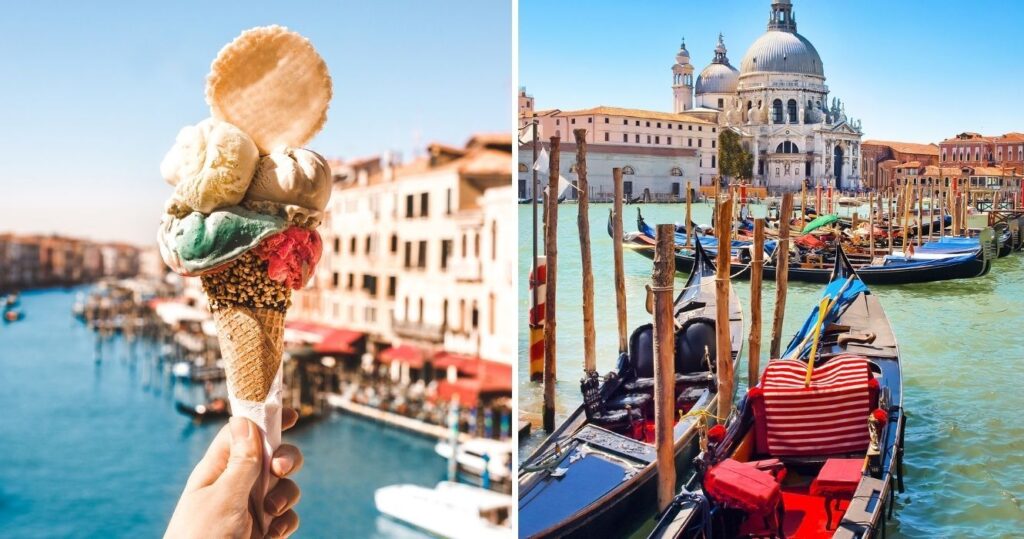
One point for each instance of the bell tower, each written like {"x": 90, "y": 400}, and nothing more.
{"x": 682, "y": 81}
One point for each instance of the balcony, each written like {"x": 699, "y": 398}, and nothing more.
{"x": 417, "y": 331}
{"x": 465, "y": 269}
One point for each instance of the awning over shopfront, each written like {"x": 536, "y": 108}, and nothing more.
{"x": 478, "y": 378}
{"x": 406, "y": 354}
{"x": 322, "y": 338}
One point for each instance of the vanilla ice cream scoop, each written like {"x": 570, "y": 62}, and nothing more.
{"x": 210, "y": 165}
{"x": 292, "y": 177}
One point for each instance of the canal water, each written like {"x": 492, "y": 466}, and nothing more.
{"x": 962, "y": 349}
{"x": 96, "y": 449}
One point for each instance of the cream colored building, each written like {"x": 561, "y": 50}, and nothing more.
{"x": 412, "y": 254}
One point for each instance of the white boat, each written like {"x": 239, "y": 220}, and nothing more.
{"x": 182, "y": 369}
{"x": 452, "y": 510}
{"x": 471, "y": 457}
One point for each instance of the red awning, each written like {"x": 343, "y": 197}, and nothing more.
{"x": 482, "y": 377}
{"x": 409, "y": 355}
{"x": 324, "y": 339}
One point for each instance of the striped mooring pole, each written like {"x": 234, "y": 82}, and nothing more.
{"x": 538, "y": 285}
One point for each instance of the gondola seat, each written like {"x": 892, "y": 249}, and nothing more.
{"x": 639, "y": 401}
{"x": 837, "y": 480}
{"x": 619, "y": 420}
{"x": 749, "y": 489}
{"x": 695, "y": 338}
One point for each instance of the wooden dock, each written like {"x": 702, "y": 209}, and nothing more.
{"x": 393, "y": 420}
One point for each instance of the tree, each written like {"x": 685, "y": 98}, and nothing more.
{"x": 733, "y": 160}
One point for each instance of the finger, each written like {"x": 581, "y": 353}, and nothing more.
{"x": 245, "y": 461}
{"x": 284, "y": 525}
{"x": 213, "y": 462}
{"x": 282, "y": 497}
{"x": 289, "y": 417}
{"x": 287, "y": 460}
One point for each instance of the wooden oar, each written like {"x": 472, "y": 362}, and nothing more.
{"x": 825, "y": 303}
{"x": 831, "y": 304}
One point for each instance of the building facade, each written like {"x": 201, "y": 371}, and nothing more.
{"x": 974, "y": 149}
{"x": 777, "y": 102}
{"x": 881, "y": 157}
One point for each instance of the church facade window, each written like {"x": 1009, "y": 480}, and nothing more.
{"x": 791, "y": 111}
{"x": 777, "y": 111}
{"x": 628, "y": 171}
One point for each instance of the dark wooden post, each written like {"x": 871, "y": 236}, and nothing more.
{"x": 550, "y": 300}
{"x": 664, "y": 364}
{"x": 781, "y": 274}
{"x": 723, "y": 362}
{"x": 583, "y": 222}
{"x": 689, "y": 231}
{"x": 756, "y": 270}
{"x": 620, "y": 272}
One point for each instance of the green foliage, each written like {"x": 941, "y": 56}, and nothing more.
{"x": 733, "y": 160}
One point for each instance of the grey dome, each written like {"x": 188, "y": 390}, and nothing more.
{"x": 782, "y": 52}
{"x": 718, "y": 79}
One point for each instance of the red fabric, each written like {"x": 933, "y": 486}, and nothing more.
{"x": 756, "y": 397}
{"x": 827, "y": 418}
{"x": 880, "y": 416}
{"x": 338, "y": 341}
{"x": 403, "y": 354}
{"x": 291, "y": 255}
{"x": 716, "y": 434}
{"x": 808, "y": 241}
{"x": 742, "y": 487}
{"x": 838, "y": 477}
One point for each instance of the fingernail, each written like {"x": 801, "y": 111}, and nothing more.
{"x": 277, "y": 529}
{"x": 284, "y": 465}
{"x": 274, "y": 503}
{"x": 240, "y": 429}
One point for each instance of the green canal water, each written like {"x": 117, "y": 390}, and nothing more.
{"x": 962, "y": 349}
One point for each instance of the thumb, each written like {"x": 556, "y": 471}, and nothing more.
{"x": 246, "y": 459}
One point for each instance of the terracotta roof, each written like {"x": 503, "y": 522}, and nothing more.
{"x": 905, "y": 147}
{"x": 910, "y": 164}
{"x": 932, "y": 170}
{"x": 487, "y": 162}
{"x": 1011, "y": 137}
{"x": 636, "y": 113}
{"x": 992, "y": 171}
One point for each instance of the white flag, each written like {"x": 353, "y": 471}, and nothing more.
{"x": 564, "y": 184}
{"x": 542, "y": 162}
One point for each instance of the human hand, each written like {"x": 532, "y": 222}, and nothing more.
{"x": 215, "y": 502}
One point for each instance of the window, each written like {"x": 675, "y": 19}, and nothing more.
{"x": 448, "y": 202}
{"x": 335, "y": 279}
{"x": 648, "y": 124}
{"x": 494, "y": 239}
{"x": 721, "y": 103}
{"x": 713, "y": 143}
{"x": 523, "y": 167}
{"x": 669, "y": 126}
{"x": 638, "y": 123}
{"x": 444, "y": 311}
{"x": 558, "y": 122}
{"x": 700, "y": 128}
{"x": 446, "y": 253}
{"x": 394, "y": 243}
{"x": 679, "y": 127}
{"x": 573, "y": 121}
{"x": 392, "y": 285}
{"x": 366, "y": 248}
{"x": 628, "y": 171}
{"x": 625, "y": 121}
{"x": 408, "y": 206}
{"x": 606, "y": 136}
{"x": 351, "y": 281}
{"x": 689, "y": 143}
{"x": 590, "y": 120}
{"x": 648, "y": 139}
{"x": 476, "y": 245}
{"x": 424, "y": 204}
{"x": 421, "y": 259}
{"x": 787, "y": 147}
{"x": 606, "y": 120}
{"x": 475, "y": 317}
{"x": 668, "y": 140}
{"x": 712, "y": 161}
{"x": 352, "y": 245}
{"x": 337, "y": 245}
{"x": 490, "y": 315}
{"x": 657, "y": 139}
{"x": 777, "y": 111}
{"x": 676, "y": 171}
{"x": 791, "y": 110}
{"x": 659, "y": 125}
{"x": 689, "y": 128}
{"x": 625, "y": 137}
{"x": 638, "y": 139}
{"x": 465, "y": 238}
{"x": 408, "y": 255}
{"x": 700, "y": 143}
{"x": 370, "y": 284}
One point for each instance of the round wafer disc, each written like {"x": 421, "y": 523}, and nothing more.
{"x": 271, "y": 83}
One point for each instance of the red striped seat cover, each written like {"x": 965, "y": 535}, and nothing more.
{"x": 827, "y": 418}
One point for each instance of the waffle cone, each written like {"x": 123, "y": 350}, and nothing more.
{"x": 251, "y": 343}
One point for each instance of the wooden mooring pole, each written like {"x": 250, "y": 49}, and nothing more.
{"x": 620, "y": 272}
{"x": 781, "y": 275}
{"x": 871, "y": 226}
{"x": 550, "y": 300}
{"x": 664, "y": 363}
{"x": 583, "y": 223}
{"x": 689, "y": 217}
{"x": 723, "y": 362}
{"x": 756, "y": 270}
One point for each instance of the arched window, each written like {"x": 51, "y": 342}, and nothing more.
{"x": 523, "y": 167}
{"x": 628, "y": 171}
{"x": 777, "y": 111}
{"x": 787, "y": 147}
{"x": 791, "y": 111}
{"x": 572, "y": 168}
{"x": 676, "y": 171}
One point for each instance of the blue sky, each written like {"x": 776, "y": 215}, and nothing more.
{"x": 94, "y": 93}
{"x": 911, "y": 70}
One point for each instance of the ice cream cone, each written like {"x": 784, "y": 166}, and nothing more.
{"x": 251, "y": 342}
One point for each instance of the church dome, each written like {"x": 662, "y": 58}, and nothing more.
{"x": 782, "y": 52}
{"x": 718, "y": 79}
{"x": 781, "y": 49}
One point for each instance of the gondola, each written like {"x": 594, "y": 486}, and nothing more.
{"x": 893, "y": 270}
{"x": 215, "y": 409}
{"x": 807, "y": 460}
{"x": 596, "y": 472}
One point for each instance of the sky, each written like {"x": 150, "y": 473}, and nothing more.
{"x": 93, "y": 93}
{"x": 912, "y": 71}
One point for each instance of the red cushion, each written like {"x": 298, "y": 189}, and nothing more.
{"x": 838, "y": 477}
{"x": 743, "y": 487}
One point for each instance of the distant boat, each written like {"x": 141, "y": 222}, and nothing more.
{"x": 526, "y": 200}
{"x": 13, "y": 315}
{"x": 215, "y": 409}
{"x": 452, "y": 510}
{"x": 471, "y": 457}
{"x": 182, "y": 369}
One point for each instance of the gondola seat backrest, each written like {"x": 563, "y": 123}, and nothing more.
{"x": 696, "y": 336}
{"x": 827, "y": 418}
